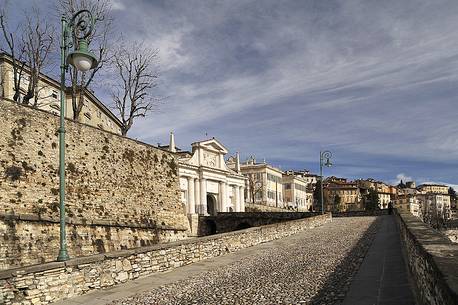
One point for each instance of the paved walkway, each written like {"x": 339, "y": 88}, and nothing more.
{"x": 312, "y": 267}
{"x": 383, "y": 277}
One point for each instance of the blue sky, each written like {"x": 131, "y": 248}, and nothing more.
{"x": 375, "y": 82}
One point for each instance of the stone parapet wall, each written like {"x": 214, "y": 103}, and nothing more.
{"x": 250, "y": 207}
{"x": 114, "y": 184}
{"x": 231, "y": 221}
{"x": 452, "y": 234}
{"x": 29, "y": 239}
{"x": 432, "y": 261}
{"x": 360, "y": 213}
{"x": 47, "y": 283}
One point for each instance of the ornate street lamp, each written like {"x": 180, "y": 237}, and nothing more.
{"x": 324, "y": 156}
{"x": 74, "y": 34}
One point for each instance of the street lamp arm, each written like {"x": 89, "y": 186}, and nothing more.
{"x": 326, "y": 155}
{"x": 82, "y": 24}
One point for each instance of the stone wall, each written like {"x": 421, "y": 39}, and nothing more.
{"x": 120, "y": 193}
{"x": 432, "y": 261}
{"x": 47, "y": 283}
{"x": 250, "y": 207}
{"x": 452, "y": 234}
{"x": 227, "y": 222}
{"x": 361, "y": 213}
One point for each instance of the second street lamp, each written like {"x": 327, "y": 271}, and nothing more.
{"x": 324, "y": 156}
{"x": 74, "y": 34}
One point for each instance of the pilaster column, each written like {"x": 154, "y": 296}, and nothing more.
{"x": 203, "y": 196}
{"x": 197, "y": 196}
{"x": 191, "y": 196}
{"x": 237, "y": 198}
{"x": 242, "y": 199}
{"x": 221, "y": 204}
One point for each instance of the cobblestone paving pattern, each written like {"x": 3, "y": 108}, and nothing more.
{"x": 313, "y": 267}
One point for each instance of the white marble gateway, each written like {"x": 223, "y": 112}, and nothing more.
{"x": 207, "y": 185}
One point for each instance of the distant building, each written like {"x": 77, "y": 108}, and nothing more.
{"x": 207, "y": 184}
{"x": 408, "y": 202}
{"x": 433, "y": 188}
{"x": 434, "y": 205}
{"x": 94, "y": 112}
{"x": 264, "y": 183}
{"x": 297, "y": 194}
{"x": 310, "y": 178}
{"x": 385, "y": 192}
{"x": 348, "y": 192}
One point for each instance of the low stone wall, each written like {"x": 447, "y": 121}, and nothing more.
{"x": 34, "y": 239}
{"x": 250, "y": 207}
{"x": 47, "y": 283}
{"x": 432, "y": 260}
{"x": 452, "y": 234}
{"x": 227, "y": 222}
{"x": 361, "y": 213}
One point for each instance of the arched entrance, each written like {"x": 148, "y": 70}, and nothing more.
{"x": 211, "y": 204}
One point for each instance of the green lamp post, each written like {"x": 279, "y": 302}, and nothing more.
{"x": 74, "y": 34}
{"x": 324, "y": 156}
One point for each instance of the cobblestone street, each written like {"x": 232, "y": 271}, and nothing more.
{"x": 313, "y": 267}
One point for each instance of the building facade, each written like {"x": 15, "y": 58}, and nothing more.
{"x": 408, "y": 202}
{"x": 341, "y": 195}
{"x": 297, "y": 195}
{"x": 208, "y": 186}
{"x": 434, "y": 205}
{"x": 433, "y": 188}
{"x": 385, "y": 193}
{"x": 264, "y": 183}
{"x": 94, "y": 112}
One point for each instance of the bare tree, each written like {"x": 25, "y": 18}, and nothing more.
{"x": 16, "y": 52}
{"x": 98, "y": 40}
{"x": 255, "y": 186}
{"x": 37, "y": 40}
{"x": 136, "y": 67}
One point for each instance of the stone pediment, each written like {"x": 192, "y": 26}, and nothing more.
{"x": 211, "y": 145}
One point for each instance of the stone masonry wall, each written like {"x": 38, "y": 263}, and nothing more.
{"x": 47, "y": 283}
{"x": 250, "y": 207}
{"x": 120, "y": 193}
{"x": 452, "y": 234}
{"x": 432, "y": 260}
{"x": 231, "y": 221}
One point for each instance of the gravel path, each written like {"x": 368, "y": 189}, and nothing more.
{"x": 313, "y": 267}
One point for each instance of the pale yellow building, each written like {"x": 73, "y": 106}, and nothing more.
{"x": 433, "y": 188}
{"x": 94, "y": 112}
{"x": 297, "y": 195}
{"x": 264, "y": 184}
{"x": 349, "y": 194}
{"x": 385, "y": 193}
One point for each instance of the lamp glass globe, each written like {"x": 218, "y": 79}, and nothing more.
{"x": 82, "y": 62}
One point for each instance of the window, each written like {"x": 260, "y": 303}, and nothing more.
{"x": 54, "y": 94}
{"x": 288, "y": 186}
{"x": 55, "y": 106}
{"x": 88, "y": 115}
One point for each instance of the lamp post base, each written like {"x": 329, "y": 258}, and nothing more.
{"x": 63, "y": 256}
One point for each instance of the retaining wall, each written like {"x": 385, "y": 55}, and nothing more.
{"x": 47, "y": 283}
{"x": 120, "y": 193}
{"x": 432, "y": 261}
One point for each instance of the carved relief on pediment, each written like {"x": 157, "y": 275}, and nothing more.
{"x": 210, "y": 159}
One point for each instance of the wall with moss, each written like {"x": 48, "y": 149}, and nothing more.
{"x": 114, "y": 186}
